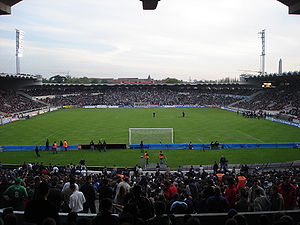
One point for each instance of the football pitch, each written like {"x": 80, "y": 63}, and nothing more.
{"x": 200, "y": 125}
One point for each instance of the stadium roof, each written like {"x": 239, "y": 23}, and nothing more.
{"x": 5, "y": 6}
{"x": 294, "y": 5}
{"x": 291, "y": 77}
{"x": 28, "y": 76}
{"x": 9, "y": 81}
{"x": 202, "y": 85}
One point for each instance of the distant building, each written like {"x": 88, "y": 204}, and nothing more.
{"x": 149, "y": 80}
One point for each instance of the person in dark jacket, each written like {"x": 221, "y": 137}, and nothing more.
{"x": 145, "y": 206}
{"x": 105, "y": 216}
{"x": 89, "y": 193}
{"x": 55, "y": 195}
{"x": 105, "y": 191}
{"x": 40, "y": 208}
{"x": 217, "y": 203}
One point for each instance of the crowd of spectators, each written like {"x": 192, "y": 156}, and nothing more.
{"x": 11, "y": 102}
{"x": 127, "y": 95}
{"x": 145, "y": 197}
{"x": 62, "y": 90}
{"x": 278, "y": 99}
{"x": 281, "y": 99}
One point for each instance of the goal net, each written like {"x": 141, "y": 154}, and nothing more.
{"x": 150, "y": 135}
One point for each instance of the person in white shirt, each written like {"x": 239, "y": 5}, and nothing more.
{"x": 67, "y": 184}
{"x": 125, "y": 186}
{"x": 76, "y": 200}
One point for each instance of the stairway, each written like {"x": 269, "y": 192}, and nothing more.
{"x": 31, "y": 98}
{"x": 246, "y": 99}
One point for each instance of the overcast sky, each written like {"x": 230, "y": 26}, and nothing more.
{"x": 185, "y": 39}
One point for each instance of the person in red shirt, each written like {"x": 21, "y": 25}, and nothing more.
{"x": 171, "y": 190}
{"x": 288, "y": 192}
{"x": 231, "y": 192}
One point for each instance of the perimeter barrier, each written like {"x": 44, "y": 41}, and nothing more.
{"x": 220, "y": 146}
{"x": 32, "y": 147}
{"x": 205, "y": 218}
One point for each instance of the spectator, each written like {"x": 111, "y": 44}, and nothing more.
{"x": 253, "y": 194}
{"x": 40, "y": 208}
{"x": 217, "y": 203}
{"x": 145, "y": 206}
{"x": 261, "y": 202}
{"x": 89, "y": 193}
{"x": 242, "y": 204}
{"x": 77, "y": 200}
{"x": 122, "y": 189}
{"x": 105, "y": 216}
{"x": 288, "y": 192}
{"x": 55, "y": 195}
{"x": 105, "y": 191}
{"x": 231, "y": 192}
{"x": 16, "y": 195}
{"x": 277, "y": 202}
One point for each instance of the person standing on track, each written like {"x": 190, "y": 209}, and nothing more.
{"x": 92, "y": 145}
{"x": 61, "y": 144}
{"x": 161, "y": 157}
{"x": 47, "y": 145}
{"x": 54, "y": 147}
{"x": 146, "y": 156}
{"x": 142, "y": 146}
{"x": 37, "y": 151}
{"x": 65, "y": 145}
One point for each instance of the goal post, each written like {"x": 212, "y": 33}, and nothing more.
{"x": 150, "y": 135}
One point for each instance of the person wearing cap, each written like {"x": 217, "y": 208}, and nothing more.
{"x": 16, "y": 194}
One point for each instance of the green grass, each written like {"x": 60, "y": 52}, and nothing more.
{"x": 175, "y": 157}
{"x": 203, "y": 125}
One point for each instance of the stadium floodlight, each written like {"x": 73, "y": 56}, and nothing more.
{"x": 149, "y": 4}
{"x": 19, "y": 48}
{"x": 150, "y": 135}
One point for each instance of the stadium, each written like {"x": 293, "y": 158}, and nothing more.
{"x": 144, "y": 151}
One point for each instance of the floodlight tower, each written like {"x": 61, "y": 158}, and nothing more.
{"x": 19, "y": 48}
{"x": 263, "y": 53}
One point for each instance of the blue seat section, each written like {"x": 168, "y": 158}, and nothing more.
{"x": 31, "y": 147}
{"x": 221, "y": 146}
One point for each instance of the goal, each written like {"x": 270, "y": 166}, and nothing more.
{"x": 150, "y": 135}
